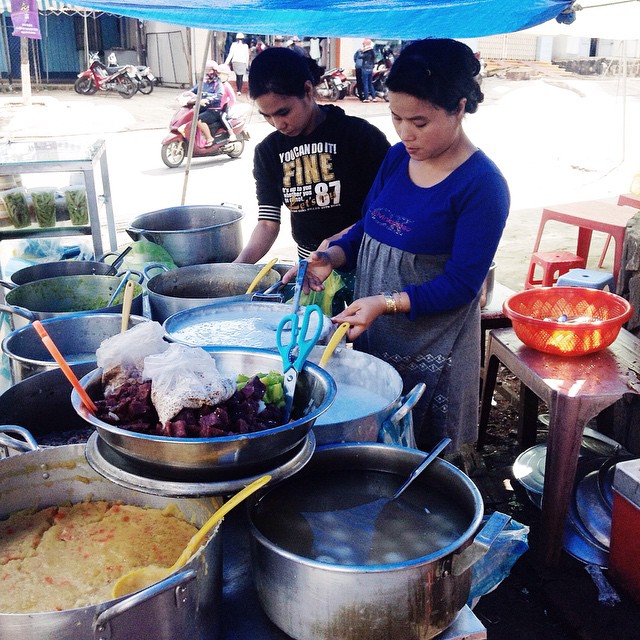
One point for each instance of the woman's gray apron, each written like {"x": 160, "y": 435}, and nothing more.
{"x": 442, "y": 350}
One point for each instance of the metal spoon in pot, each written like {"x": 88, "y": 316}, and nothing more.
{"x": 144, "y": 576}
{"x": 422, "y": 466}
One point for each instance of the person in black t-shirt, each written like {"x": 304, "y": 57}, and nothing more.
{"x": 319, "y": 163}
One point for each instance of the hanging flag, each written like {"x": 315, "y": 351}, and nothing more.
{"x": 24, "y": 15}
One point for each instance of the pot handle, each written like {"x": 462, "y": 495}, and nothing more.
{"x": 29, "y": 443}
{"x": 153, "y": 265}
{"x": 19, "y": 311}
{"x": 8, "y": 285}
{"x": 481, "y": 543}
{"x": 408, "y": 402}
{"x": 134, "y": 234}
{"x": 125, "y": 604}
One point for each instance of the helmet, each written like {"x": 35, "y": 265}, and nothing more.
{"x": 224, "y": 68}
{"x": 239, "y": 36}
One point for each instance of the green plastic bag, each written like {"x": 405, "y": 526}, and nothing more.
{"x": 324, "y": 299}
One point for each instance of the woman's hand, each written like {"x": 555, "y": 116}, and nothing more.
{"x": 360, "y": 314}
{"x": 319, "y": 268}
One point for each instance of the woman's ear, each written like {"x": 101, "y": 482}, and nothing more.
{"x": 461, "y": 107}
{"x": 308, "y": 89}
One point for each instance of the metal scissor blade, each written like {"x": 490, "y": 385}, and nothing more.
{"x": 290, "y": 381}
{"x": 302, "y": 270}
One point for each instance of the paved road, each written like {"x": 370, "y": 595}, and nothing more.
{"x": 556, "y": 140}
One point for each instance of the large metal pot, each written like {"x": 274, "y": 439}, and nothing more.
{"x": 193, "y": 234}
{"x": 68, "y": 268}
{"x": 227, "y": 456}
{"x": 42, "y": 404}
{"x": 188, "y": 287}
{"x": 232, "y": 323}
{"x": 77, "y": 336}
{"x": 416, "y": 599}
{"x": 185, "y": 605}
{"x": 355, "y": 369}
{"x": 54, "y": 297}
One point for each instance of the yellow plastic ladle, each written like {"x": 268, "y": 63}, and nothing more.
{"x": 145, "y": 576}
{"x": 333, "y": 343}
{"x": 263, "y": 272}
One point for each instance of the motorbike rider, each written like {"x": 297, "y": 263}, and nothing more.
{"x": 228, "y": 99}
{"x": 210, "y": 116}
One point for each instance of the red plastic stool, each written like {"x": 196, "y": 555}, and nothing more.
{"x": 553, "y": 264}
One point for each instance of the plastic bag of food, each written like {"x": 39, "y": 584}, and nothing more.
{"x": 77, "y": 204}
{"x": 185, "y": 377}
{"x": 43, "y": 200}
{"x": 122, "y": 356}
{"x": 15, "y": 202}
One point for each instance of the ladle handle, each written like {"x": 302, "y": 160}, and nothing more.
{"x": 126, "y": 306}
{"x": 66, "y": 369}
{"x": 419, "y": 469}
{"x": 263, "y": 272}
{"x": 333, "y": 343}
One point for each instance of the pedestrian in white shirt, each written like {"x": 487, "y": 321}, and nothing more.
{"x": 238, "y": 58}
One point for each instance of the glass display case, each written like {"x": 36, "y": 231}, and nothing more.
{"x": 41, "y": 156}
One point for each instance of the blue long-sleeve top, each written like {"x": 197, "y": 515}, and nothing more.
{"x": 462, "y": 217}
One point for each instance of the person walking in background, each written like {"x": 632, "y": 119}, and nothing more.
{"x": 357, "y": 60}
{"x": 238, "y": 58}
{"x": 368, "y": 62}
{"x": 319, "y": 163}
{"x": 433, "y": 220}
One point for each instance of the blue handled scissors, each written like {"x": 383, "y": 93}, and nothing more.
{"x": 297, "y": 349}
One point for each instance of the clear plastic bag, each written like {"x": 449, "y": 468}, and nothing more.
{"x": 122, "y": 356}
{"x": 185, "y": 377}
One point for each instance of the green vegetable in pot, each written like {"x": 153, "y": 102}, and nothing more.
{"x": 44, "y": 205}
{"x": 77, "y": 206}
{"x": 17, "y": 208}
{"x": 274, "y": 382}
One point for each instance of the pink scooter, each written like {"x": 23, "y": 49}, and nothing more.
{"x": 176, "y": 143}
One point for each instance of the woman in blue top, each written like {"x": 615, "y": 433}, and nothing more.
{"x": 433, "y": 220}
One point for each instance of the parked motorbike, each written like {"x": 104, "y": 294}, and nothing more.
{"x": 141, "y": 75}
{"x": 176, "y": 143}
{"x": 334, "y": 85}
{"x": 97, "y": 78}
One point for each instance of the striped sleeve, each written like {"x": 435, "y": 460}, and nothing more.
{"x": 269, "y": 212}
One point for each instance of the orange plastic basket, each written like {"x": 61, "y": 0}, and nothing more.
{"x": 567, "y": 321}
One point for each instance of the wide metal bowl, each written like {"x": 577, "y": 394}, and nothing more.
{"x": 193, "y": 234}
{"x": 228, "y": 456}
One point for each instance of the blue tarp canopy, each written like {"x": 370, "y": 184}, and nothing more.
{"x": 405, "y": 19}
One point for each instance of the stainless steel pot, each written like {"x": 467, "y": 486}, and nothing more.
{"x": 185, "y": 605}
{"x": 77, "y": 336}
{"x": 188, "y": 287}
{"x": 232, "y": 323}
{"x": 54, "y": 297}
{"x": 68, "y": 268}
{"x": 193, "y": 234}
{"x": 227, "y": 456}
{"x": 357, "y": 369}
{"x": 413, "y": 600}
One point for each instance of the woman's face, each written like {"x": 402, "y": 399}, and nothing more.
{"x": 426, "y": 131}
{"x": 290, "y": 115}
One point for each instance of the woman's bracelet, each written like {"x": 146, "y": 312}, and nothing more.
{"x": 390, "y": 301}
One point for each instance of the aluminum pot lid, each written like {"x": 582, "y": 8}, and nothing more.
{"x": 107, "y": 462}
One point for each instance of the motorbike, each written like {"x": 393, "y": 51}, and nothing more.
{"x": 141, "y": 75}
{"x": 97, "y": 78}
{"x": 380, "y": 73}
{"x": 334, "y": 85}
{"x": 176, "y": 143}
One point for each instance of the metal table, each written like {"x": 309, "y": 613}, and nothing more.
{"x": 45, "y": 156}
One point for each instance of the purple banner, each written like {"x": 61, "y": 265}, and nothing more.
{"x": 24, "y": 15}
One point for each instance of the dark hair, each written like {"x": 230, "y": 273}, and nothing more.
{"x": 441, "y": 71}
{"x": 283, "y": 71}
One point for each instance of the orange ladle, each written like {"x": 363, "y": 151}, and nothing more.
{"x": 66, "y": 369}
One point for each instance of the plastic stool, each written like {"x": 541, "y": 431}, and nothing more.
{"x": 553, "y": 264}
{"x": 587, "y": 278}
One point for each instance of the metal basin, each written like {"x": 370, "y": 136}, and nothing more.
{"x": 227, "y": 456}
{"x": 77, "y": 336}
{"x": 315, "y": 597}
{"x": 58, "y": 475}
{"x": 193, "y": 234}
{"x": 62, "y": 295}
{"x": 196, "y": 285}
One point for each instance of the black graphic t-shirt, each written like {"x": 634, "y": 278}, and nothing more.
{"x": 322, "y": 178}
